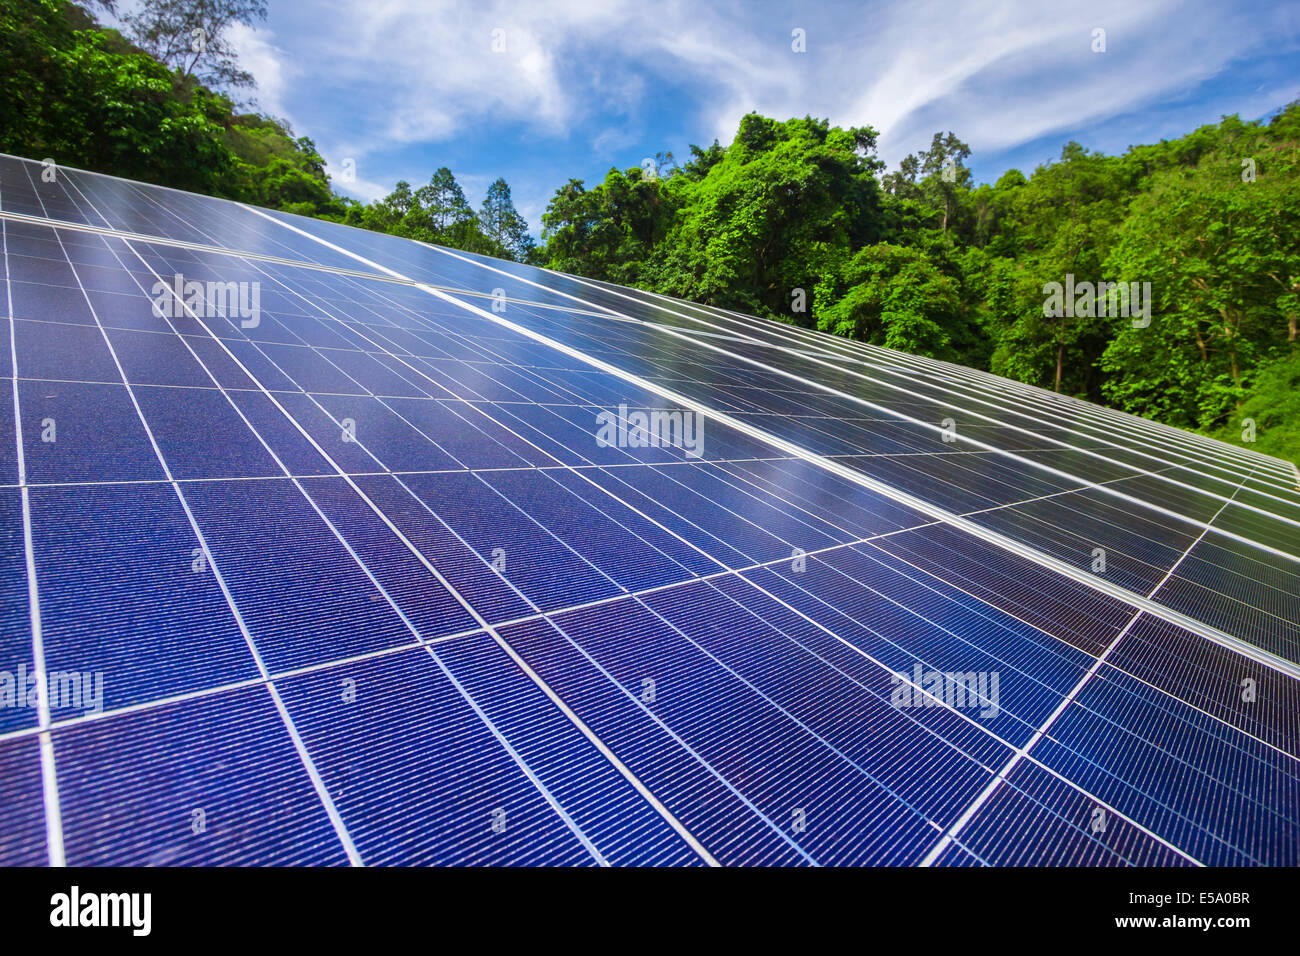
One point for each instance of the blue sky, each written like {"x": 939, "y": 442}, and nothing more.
{"x": 402, "y": 87}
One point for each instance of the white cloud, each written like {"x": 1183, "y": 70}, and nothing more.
{"x": 430, "y": 68}
{"x": 258, "y": 54}
{"x": 366, "y": 190}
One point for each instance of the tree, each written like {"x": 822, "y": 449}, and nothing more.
{"x": 1223, "y": 258}
{"x": 439, "y": 213}
{"x": 944, "y": 174}
{"x": 897, "y": 298}
{"x": 1061, "y": 222}
{"x": 193, "y": 36}
{"x": 930, "y": 186}
{"x": 83, "y": 97}
{"x": 610, "y": 232}
{"x": 780, "y": 211}
{"x": 1273, "y": 403}
{"x": 567, "y": 226}
{"x": 444, "y": 203}
{"x": 702, "y": 160}
{"x": 503, "y": 225}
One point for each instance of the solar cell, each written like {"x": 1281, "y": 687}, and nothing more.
{"x": 392, "y": 566}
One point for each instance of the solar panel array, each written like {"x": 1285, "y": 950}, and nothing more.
{"x": 359, "y": 550}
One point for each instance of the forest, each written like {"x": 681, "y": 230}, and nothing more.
{"x": 795, "y": 219}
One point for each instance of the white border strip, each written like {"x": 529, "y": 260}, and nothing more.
{"x": 49, "y": 777}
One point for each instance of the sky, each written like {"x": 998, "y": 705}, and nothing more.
{"x": 542, "y": 92}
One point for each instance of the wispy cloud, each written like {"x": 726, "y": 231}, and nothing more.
{"x": 271, "y": 66}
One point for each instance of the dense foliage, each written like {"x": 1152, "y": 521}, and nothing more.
{"x": 795, "y": 220}
{"x": 86, "y": 97}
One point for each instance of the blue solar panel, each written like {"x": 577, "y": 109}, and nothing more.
{"x": 354, "y": 578}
